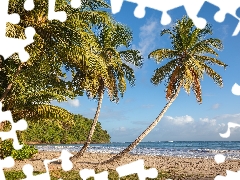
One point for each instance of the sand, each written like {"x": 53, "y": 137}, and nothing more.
{"x": 196, "y": 167}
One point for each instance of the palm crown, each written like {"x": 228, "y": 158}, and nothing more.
{"x": 189, "y": 58}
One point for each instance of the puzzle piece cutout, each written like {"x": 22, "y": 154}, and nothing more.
{"x": 230, "y": 125}
{"x": 138, "y": 168}
{"x": 66, "y": 166}
{"x": 230, "y": 176}
{"x": 219, "y": 158}
{"x": 9, "y": 46}
{"x": 18, "y": 126}
{"x": 214, "y": 10}
{"x": 7, "y": 162}
{"x": 29, "y": 5}
{"x": 192, "y": 8}
{"x": 236, "y": 89}
{"x": 87, "y": 173}
{"x": 60, "y": 15}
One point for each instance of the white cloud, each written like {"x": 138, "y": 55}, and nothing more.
{"x": 180, "y": 120}
{"x": 184, "y": 128}
{"x": 122, "y": 129}
{"x": 148, "y": 34}
{"x": 74, "y": 102}
{"x": 210, "y": 122}
{"x": 215, "y": 106}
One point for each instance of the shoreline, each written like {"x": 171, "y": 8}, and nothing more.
{"x": 74, "y": 143}
{"x": 195, "y": 167}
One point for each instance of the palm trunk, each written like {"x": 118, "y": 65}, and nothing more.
{"x": 9, "y": 87}
{"x": 145, "y": 133}
{"x": 95, "y": 120}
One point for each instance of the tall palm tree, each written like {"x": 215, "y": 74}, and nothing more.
{"x": 56, "y": 44}
{"x": 110, "y": 39}
{"x": 188, "y": 60}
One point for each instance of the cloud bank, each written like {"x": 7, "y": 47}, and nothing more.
{"x": 182, "y": 128}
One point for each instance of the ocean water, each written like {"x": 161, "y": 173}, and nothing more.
{"x": 191, "y": 149}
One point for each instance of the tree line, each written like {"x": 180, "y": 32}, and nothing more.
{"x": 42, "y": 132}
{"x": 88, "y": 46}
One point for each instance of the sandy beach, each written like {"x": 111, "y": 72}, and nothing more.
{"x": 198, "y": 168}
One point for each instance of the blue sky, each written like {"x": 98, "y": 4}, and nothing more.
{"x": 185, "y": 119}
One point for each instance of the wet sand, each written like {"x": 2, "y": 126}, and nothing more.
{"x": 196, "y": 167}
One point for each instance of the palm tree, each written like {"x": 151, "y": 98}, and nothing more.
{"x": 113, "y": 80}
{"x": 56, "y": 45}
{"x": 188, "y": 60}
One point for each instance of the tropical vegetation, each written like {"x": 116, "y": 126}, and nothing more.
{"x": 72, "y": 134}
{"x": 28, "y": 89}
{"x": 74, "y": 175}
{"x": 191, "y": 55}
{"x": 110, "y": 39}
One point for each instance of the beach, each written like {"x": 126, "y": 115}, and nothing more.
{"x": 197, "y": 168}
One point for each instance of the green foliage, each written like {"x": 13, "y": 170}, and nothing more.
{"x": 113, "y": 175}
{"x": 191, "y": 56}
{"x": 39, "y": 81}
{"x": 26, "y": 152}
{"x": 115, "y": 69}
{"x": 49, "y": 132}
{"x": 7, "y": 149}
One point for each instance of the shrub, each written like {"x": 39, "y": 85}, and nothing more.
{"x": 26, "y": 152}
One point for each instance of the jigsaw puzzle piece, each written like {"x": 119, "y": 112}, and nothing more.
{"x": 12, "y": 45}
{"x": 28, "y": 171}
{"x": 21, "y": 125}
{"x": 225, "y": 7}
{"x": 116, "y": 5}
{"x": 66, "y": 165}
{"x": 137, "y": 167}
{"x": 140, "y": 9}
{"x": 12, "y": 134}
{"x": 208, "y": 12}
{"x": 60, "y": 15}
{"x": 7, "y": 162}
{"x": 87, "y": 173}
{"x": 5, "y": 17}
{"x": 231, "y": 175}
{"x": 192, "y": 8}
{"x": 8, "y": 45}
{"x": 29, "y": 5}
{"x": 52, "y": 14}
{"x": 238, "y": 26}
{"x": 76, "y": 3}
{"x": 156, "y": 5}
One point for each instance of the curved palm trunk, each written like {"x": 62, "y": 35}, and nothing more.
{"x": 145, "y": 133}
{"x": 95, "y": 120}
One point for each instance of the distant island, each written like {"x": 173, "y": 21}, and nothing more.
{"x": 42, "y": 132}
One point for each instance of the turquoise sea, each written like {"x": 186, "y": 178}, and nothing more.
{"x": 193, "y": 149}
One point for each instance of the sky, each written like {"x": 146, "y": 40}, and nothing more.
{"x": 185, "y": 120}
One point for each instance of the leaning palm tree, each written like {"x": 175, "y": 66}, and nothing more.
{"x": 113, "y": 80}
{"x": 56, "y": 45}
{"x": 188, "y": 60}
{"x": 27, "y": 92}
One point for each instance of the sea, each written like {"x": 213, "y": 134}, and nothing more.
{"x": 185, "y": 149}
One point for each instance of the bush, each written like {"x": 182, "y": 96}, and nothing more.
{"x": 6, "y": 148}
{"x": 26, "y": 152}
